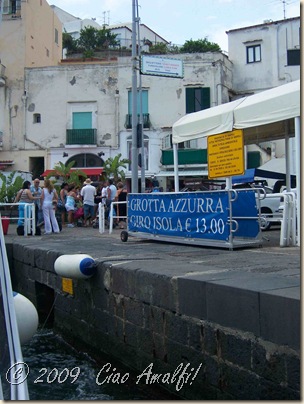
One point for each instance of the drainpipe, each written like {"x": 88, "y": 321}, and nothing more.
{"x": 24, "y": 100}
{"x": 278, "y": 54}
{"x": 117, "y": 117}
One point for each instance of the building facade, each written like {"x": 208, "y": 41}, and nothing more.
{"x": 81, "y": 110}
{"x": 54, "y": 110}
{"x": 266, "y": 56}
{"x": 24, "y": 43}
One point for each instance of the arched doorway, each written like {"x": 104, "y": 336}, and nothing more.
{"x": 86, "y": 160}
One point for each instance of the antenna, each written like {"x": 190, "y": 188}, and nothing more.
{"x": 284, "y": 8}
{"x": 104, "y": 17}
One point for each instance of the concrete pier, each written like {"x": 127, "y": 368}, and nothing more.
{"x": 233, "y": 317}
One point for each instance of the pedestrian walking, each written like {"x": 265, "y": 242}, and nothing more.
{"x": 49, "y": 200}
{"x": 88, "y": 193}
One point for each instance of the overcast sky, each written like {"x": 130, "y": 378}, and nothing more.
{"x": 181, "y": 20}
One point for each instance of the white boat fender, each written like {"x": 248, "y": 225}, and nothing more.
{"x": 76, "y": 266}
{"x": 26, "y": 316}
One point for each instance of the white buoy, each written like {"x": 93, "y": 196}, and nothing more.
{"x": 26, "y": 316}
{"x": 76, "y": 266}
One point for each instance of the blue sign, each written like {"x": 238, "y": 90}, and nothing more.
{"x": 186, "y": 214}
{"x": 245, "y": 211}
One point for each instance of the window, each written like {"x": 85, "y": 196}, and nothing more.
{"x": 167, "y": 142}
{"x": 146, "y": 153}
{"x": 6, "y": 7}
{"x": 144, "y": 97}
{"x": 253, "y": 53}
{"x": 37, "y": 118}
{"x": 146, "y": 117}
{"x": 82, "y": 120}
{"x": 293, "y": 57}
{"x": 189, "y": 144}
{"x": 56, "y": 36}
{"x": 197, "y": 98}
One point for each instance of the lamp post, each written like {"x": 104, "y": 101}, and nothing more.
{"x": 134, "y": 152}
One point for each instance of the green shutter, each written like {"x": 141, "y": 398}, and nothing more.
{"x": 190, "y": 104}
{"x": 205, "y": 97}
{"x": 197, "y": 98}
{"x": 253, "y": 159}
{"x": 82, "y": 120}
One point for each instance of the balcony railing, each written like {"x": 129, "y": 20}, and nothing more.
{"x": 146, "y": 121}
{"x": 81, "y": 136}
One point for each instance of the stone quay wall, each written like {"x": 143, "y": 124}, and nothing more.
{"x": 138, "y": 318}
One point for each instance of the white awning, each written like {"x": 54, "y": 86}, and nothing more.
{"x": 260, "y": 111}
{"x": 274, "y": 105}
{"x": 204, "y": 123}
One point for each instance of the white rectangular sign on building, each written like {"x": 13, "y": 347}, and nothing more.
{"x": 161, "y": 66}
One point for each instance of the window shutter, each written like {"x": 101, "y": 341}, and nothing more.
{"x": 205, "y": 97}
{"x": 197, "y": 99}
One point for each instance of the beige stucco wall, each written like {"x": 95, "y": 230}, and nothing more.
{"x": 26, "y": 41}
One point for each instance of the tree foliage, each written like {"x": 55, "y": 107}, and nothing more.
{"x": 199, "y": 46}
{"x": 66, "y": 175}
{"x": 69, "y": 43}
{"x": 159, "y": 49}
{"x": 190, "y": 46}
{"x": 113, "y": 167}
{"x": 91, "y": 40}
{"x": 9, "y": 187}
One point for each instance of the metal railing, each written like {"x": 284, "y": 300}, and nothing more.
{"x": 286, "y": 216}
{"x": 102, "y": 219}
{"x": 112, "y": 216}
{"x": 81, "y": 136}
{"x": 288, "y": 236}
{"x": 28, "y": 218}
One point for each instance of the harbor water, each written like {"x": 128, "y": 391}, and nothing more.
{"x": 57, "y": 371}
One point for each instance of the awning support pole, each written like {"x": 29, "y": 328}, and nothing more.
{"x": 298, "y": 173}
{"x": 175, "y": 162}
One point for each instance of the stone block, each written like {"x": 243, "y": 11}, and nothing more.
{"x": 46, "y": 259}
{"x": 157, "y": 318}
{"x": 130, "y": 334}
{"x": 233, "y": 307}
{"x": 192, "y": 297}
{"x": 155, "y": 289}
{"x": 176, "y": 328}
{"x": 235, "y": 349}
{"x": 145, "y": 341}
{"x": 134, "y": 311}
{"x": 123, "y": 281}
{"x": 280, "y": 312}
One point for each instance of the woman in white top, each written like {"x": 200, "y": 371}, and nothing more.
{"x": 49, "y": 199}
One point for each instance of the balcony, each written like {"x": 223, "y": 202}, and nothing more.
{"x": 146, "y": 121}
{"x": 185, "y": 156}
{"x": 81, "y": 136}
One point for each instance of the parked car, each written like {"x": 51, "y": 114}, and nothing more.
{"x": 269, "y": 208}
{"x": 269, "y": 205}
